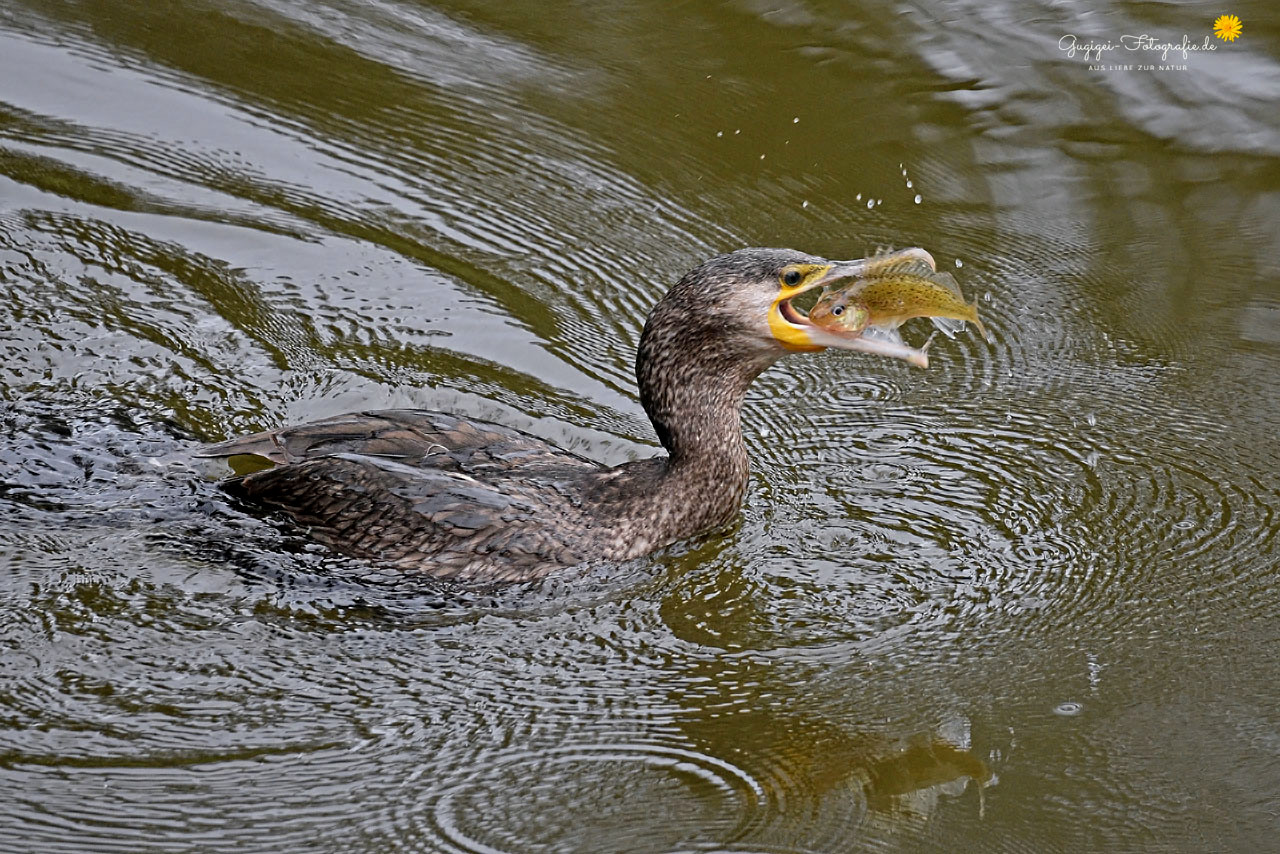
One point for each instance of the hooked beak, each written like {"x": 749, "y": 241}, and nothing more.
{"x": 794, "y": 330}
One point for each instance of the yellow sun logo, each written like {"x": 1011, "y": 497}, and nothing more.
{"x": 1227, "y": 27}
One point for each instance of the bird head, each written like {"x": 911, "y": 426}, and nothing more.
{"x": 744, "y": 298}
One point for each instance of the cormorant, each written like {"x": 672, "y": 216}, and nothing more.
{"x": 430, "y": 493}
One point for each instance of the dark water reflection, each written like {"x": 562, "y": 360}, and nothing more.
{"x": 1025, "y": 599}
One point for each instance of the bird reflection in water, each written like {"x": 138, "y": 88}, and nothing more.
{"x": 910, "y": 773}
{"x": 899, "y": 779}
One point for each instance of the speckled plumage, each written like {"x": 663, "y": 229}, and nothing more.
{"x": 430, "y": 493}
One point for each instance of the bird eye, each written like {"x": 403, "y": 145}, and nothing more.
{"x": 837, "y": 310}
{"x": 791, "y": 277}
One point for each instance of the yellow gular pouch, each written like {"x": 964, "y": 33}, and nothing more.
{"x": 786, "y": 323}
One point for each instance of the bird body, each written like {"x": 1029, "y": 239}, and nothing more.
{"x": 430, "y": 493}
{"x": 425, "y": 491}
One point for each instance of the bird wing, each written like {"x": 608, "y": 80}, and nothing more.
{"x": 414, "y": 437}
{"x": 435, "y": 521}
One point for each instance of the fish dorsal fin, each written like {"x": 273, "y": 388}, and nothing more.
{"x": 886, "y": 261}
{"x": 910, "y": 266}
{"x": 949, "y": 282}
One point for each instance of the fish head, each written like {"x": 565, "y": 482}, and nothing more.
{"x": 841, "y": 310}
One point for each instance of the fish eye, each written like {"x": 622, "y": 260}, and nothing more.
{"x": 791, "y": 277}
{"x": 837, "y": 310}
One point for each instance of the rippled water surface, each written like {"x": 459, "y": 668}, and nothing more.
{"x": 1024, "y": 600}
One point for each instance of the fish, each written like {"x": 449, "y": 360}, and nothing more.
{"x": 892, "y": 296}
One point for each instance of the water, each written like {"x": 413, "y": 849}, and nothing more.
{"x": 1025, "y": 599}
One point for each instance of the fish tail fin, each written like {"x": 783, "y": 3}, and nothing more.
{"x": 982, "y": 330}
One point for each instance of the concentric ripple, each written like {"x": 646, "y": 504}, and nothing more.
{"x": 1002, "y": 505}
{"x": 596, "y": 797}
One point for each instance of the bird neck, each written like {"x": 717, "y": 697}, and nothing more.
{"x": 692, "y": 384}
{"x": 700, "y": 425}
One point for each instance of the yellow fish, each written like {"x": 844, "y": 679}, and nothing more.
{"x": 893, "y": 296}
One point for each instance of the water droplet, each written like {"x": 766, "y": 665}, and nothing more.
{"x": 738, "y": 131}
{"x": 804, "y": 204}
{"x": 1068, "y": 709}
{"x": 719, "y": 133}
{"x": 1091, "y": 419}
{"x": 762, "y": 157}
{"x": 878, "y": 201}
{"x": 1184, "y": 524}
{"x": 858, "y": 197}
{"x": 871, "y": 203}
{"x": 918, "y": 197}
{"x": 796, "y": 120}
{"x": 910, "y": 185}
{"x": 959, "y": 263}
